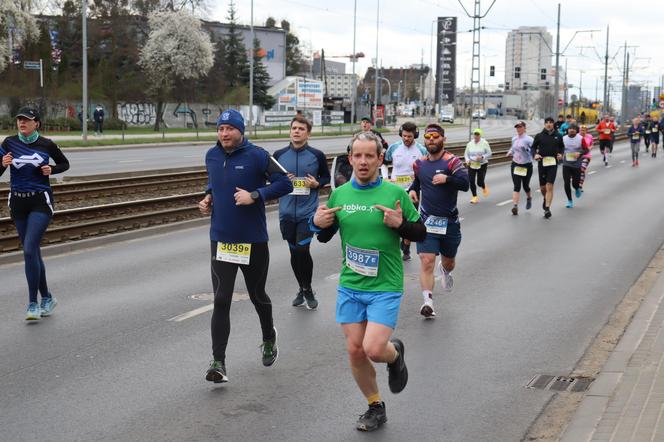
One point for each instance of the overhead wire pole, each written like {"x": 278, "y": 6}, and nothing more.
{"x": 84, "y": 111}
{"x": 354, "y": 59}
{"x": 251, "y": 70}
{"x": 475, "y": 71}
{"x": 376, "y": 65}
{"x": 556, "y": 82}
{"x": 605, "y": 99}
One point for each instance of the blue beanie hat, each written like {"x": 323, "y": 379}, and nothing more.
{"x": 232, "y": 118}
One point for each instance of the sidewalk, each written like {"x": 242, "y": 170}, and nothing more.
{"x": 626, "y": 401}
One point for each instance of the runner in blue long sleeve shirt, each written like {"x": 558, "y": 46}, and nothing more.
{"x": 238, "y": 172}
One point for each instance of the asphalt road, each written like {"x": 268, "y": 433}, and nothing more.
{"x": 149, "y": 158}
{"x": 530, "y": 296}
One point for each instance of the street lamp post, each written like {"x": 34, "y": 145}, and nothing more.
{"x": 251, "y": 70}
{"x": 376, "y": 68}
{"x": 84, "y": 111}
{"x": 353, "y": 94}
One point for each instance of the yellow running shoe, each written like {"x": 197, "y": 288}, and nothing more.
{"x": 474, "y": 200}
{"x": 485, "y": 191}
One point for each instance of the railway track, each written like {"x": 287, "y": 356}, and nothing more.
{"x": 77, "y": 223}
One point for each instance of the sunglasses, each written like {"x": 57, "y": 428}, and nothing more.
{"x": 433, "y": 135}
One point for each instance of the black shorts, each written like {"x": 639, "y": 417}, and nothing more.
{"x": 604, "y": 144}
{"x": 22, "y": 203}
{"x": 547, "y": 174}
{"x": 296, "y": 232}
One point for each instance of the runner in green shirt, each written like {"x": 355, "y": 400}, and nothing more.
{"x": 372, "y": 216}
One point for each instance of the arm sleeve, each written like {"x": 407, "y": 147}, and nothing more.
{"x": 416, "y": 181}
{"x": 3, "y": 152}
{"x": 487, "y": 150}
{"x": 390, "y": 152}
{"x": 323, "y": 171}
{"x": 279, "y": 185}
{"x": 466, "y": 153}
{"x": 61, "y": 161}
{"x": 459, "y": 177}
{"x": 412, "y": 228}
{"x": 536, "y": 144}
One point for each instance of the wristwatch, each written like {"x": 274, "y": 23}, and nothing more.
{"x": 255, "y": 195}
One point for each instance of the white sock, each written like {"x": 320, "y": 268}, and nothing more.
{"x": 427, "y": 295}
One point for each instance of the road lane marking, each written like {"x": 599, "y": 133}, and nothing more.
{"x": 622, "y": 162}
{"x": 591, "y": 172}
{"x": 504, "y": 203}
{"x": 608, "y": 167}
{"x": 193, "y": 156}
{"x": 191, "y": 314}
{"x": 131, "y": 161}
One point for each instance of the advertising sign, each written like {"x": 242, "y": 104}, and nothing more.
{"x": 446, "y": 60}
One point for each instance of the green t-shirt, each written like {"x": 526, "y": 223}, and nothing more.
{"x": 377, "y": 266}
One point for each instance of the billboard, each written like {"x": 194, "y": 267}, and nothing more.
{"x": 446, "y": 60}
{"x": 309, "y": 93}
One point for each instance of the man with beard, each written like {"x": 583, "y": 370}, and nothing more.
{"x": 438, "y": 180}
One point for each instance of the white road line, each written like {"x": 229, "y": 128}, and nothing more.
{"x": 622, "y": 162}
{"x": 504, "y": 203}
{"x": 608, "y": 167}
{"x": 131, "y": 161}
{"x": 591, "y": 172}
{"x": 191, "y": 314}
{"x": 193, "y": 156}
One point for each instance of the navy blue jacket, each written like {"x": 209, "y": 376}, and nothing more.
{"x": 26, "y": 174}
{"x": 302, "y": 162}
{"x": 247, "y": 167}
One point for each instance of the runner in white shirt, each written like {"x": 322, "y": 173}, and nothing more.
{"x": 402, "y": 155}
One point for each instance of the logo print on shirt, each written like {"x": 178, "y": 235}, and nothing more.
{"x": 352, "y": 208}
{"x": 35, "y": 159}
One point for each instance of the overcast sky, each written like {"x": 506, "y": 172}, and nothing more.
{"x": 405, "y": 32}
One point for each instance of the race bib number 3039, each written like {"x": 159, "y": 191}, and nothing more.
{"x": 236, "y": 253}
{"x": 362, "y": 261}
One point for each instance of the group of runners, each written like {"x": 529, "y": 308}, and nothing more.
{"x": 377, "y": 217}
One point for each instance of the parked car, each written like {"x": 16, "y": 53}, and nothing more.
{"x": 446, "y": 114}
{"x": 479, "y": 115}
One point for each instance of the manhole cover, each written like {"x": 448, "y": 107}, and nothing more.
{"x": 560, "y": 383}
{"x": 237, "y": 296}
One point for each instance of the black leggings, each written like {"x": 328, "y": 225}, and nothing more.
{"x": 571, "y": 176}
{"x": 480, "y": 174}
{"x": 223, "y": 284}
{"x": 522, "y": 180}
{"x": 302, "y": 264}
{"x": 585, "y": 161}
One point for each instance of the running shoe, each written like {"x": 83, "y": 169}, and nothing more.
{"x": 547, "y": 213}
{"x": 570, "y": 204}
{"x": 485, "y": 191}
{"x": 529, "y": 203}
{"x": 310, "y": 296}
{"x": 427, "y": 310}
{"x": 637, "y": 162}
{"x": 397, "y": 370}
{"x": 216, "y": 372}
{"x": 578, "y": 193}
{"x": 373, "y": 418}
{"x": 299, "y": 298}
{"x": 515, "y": 210}
{"x": 633, "y": 163}
{"x": 270, "y": 350}
{"x": 47, "y": 306}
{"x": 33, "y": 313}
{"x": 447, "y": 280}
{"x": 474, "y": 200}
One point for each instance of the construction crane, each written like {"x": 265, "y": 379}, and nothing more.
{"x": 323, "y": 73}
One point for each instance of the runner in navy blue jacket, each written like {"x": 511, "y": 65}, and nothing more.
{"x": 237, "y": 192}
{"x": 31, "y": 200}
{"x": 307, "y": 169}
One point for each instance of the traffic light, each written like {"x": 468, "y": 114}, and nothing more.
{"x": 542, "y": 74}
{"x": 492, "y": 71}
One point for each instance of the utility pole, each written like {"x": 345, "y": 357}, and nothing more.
{"x": 556, "y": 83}
{"x": 623, "y": 107}
{"x": 605, "y": 103}
{"x": 475, "y": 71}
{"x": 375, "y": 112}
{"x": 353, "y": 94}
{"x": 84, "y": 111}
{"x": 251, "y": 70}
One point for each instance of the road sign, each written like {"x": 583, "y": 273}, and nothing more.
{"x": 32, "y": 65}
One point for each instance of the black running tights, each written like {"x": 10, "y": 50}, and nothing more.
{"x": 480, "y": 174}
{"x": 223, "y": 284}
{"x": 571, "y": 178}
{"x": 302, "y": 264}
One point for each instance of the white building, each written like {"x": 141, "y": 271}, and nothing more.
{"x": 340, "y": 85}
{"x": 528, "y": 53}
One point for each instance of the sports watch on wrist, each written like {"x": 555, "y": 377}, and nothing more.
{"x": 255, "y": 195}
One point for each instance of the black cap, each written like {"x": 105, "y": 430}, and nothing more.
{"x": 29, "y": 113}
{"x": 366, "y": 118}
{"x": 520, "y": 123}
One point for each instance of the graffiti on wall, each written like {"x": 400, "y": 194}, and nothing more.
{"x": 137, "y": 114}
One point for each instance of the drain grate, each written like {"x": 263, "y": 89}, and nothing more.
{"x": 560, "y": 383}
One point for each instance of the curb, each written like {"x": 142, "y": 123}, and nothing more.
{"x": 592, "y": 408}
